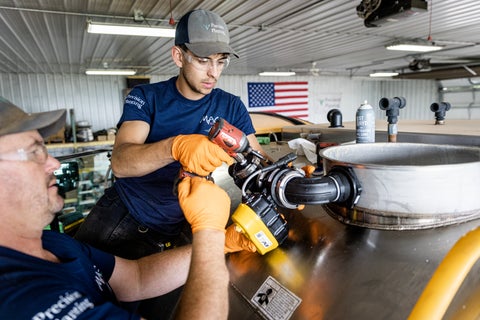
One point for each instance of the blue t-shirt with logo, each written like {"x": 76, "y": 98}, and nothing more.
{"x": 75, "y": 288}
{"x": 150, "y": 199}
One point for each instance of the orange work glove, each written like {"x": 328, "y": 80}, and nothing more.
{"x": 237, "y": 241}
{"x": 204, "y": 204}
{"x": 308, "y": 169}
{"x": 198, "y": 154}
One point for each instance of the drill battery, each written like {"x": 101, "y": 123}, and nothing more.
{"x": 261, "y": 223}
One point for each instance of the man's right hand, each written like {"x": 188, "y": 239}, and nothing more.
{"x": 204, "y": 204}
{"x": 197, "y": 154}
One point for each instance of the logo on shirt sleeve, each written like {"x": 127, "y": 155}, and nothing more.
{"x": 135, "y": 101}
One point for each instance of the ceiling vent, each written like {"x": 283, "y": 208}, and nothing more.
{"x": 419, "y": 64}
{"x": 378, "y": 12}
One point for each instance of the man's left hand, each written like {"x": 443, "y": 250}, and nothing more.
{"x": 236, "y": 241}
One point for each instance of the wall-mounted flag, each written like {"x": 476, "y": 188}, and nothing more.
{"x": 285, "y": 98}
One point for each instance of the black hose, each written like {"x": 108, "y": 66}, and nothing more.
{"x": 312, "y": 190}
{"x": 339, "y": 185}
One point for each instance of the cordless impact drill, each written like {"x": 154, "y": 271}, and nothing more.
{"x": 257, "y": 215}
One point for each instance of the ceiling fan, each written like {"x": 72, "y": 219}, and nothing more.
{"x": 312, "y": 71}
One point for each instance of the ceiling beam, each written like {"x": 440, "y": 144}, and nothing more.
{"x": 443, "y": 74}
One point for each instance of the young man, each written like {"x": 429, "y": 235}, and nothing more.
{"x": 164, "y": 126}
{"x": 48, "y": 275}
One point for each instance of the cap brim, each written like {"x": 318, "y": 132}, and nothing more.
{"x": 16, "y": 121}
{"x": 50, "y": 122}
{"x": 205, "y": 49}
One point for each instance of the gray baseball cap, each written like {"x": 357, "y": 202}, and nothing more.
{"x": 15, "y": 120}
{"x": 204, "y": 33}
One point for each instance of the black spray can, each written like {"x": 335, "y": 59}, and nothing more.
{"x": 365, "y": 124}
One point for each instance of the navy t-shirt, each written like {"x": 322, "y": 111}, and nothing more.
{"x": 150, "y": 198}
{"x": 76, "y": 288}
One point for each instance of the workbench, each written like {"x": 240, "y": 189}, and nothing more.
{"x": 460, "y": 132}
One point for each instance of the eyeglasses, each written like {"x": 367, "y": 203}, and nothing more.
{"x": 38, "y": 153}
{"x": 204, "y": 64}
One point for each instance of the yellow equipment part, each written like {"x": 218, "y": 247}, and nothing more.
{"x": 254, "y": 229}
{"x": 447, "y": 279}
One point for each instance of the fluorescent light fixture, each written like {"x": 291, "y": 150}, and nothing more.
{"x": 276, "y": 73}
{"x": 412, "y": 46}
{"x": 130, "y": 30}
{"x": 383, "y": 74}
{"x": 110, "y": 72}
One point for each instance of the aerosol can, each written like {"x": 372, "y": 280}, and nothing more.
{"x": 365, "y": 124}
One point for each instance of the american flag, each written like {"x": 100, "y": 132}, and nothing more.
{"x": 285, "y": 98}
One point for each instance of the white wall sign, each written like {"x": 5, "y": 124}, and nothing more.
{"x": 326, "y": 102}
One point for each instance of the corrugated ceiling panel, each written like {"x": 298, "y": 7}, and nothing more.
{"x": 50, "y": 37}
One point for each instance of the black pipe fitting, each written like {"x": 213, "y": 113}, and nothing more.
{"x": 340, "y": 185}
{"x": 334, "y": 116}
{"x": 392, "y": 106}
{"x": 440, "y": 110}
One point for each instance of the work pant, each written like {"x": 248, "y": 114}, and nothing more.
{"x": 110, "y": 227}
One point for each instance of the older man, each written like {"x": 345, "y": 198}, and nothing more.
{"x": 48, "y": 275}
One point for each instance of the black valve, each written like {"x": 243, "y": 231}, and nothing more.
{"x": 334, "y": 116}
{"x": 392, "y": 106}
{"x": 440, "y": 110}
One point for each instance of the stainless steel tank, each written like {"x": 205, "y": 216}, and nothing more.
{"x": 341, "y": 266}
{"x": 409, "y": 185}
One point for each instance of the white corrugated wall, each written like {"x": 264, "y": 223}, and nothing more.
{"x": 463, "y": 96}
{"x": 98, "y": 99}
{"x": 352, "y": 92}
